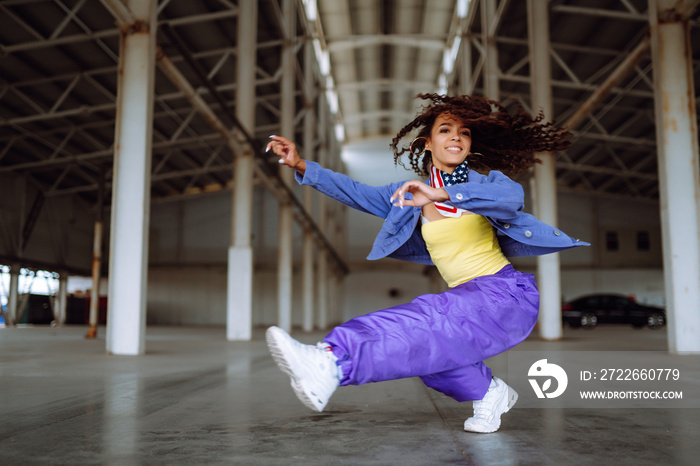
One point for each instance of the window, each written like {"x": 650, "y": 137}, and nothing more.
{"x": 612, "y": 242}
{"x": 620, "y": 303}
{"x": 643, "y": 241}
{"x": 594, "y": 302}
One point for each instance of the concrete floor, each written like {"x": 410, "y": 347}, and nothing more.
{"x": 197, "y": 399}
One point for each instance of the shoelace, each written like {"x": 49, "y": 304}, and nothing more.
{"x": 480, "y": 411}
{"x": 480, "y": 407}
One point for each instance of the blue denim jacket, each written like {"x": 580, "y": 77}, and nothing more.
{"x": 496, "y": 197}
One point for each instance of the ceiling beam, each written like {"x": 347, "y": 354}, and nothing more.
{"x": 615, "y": 139}
{"x": 226, "y": 168}
{"x": 87, "y": 110}
{"x": 613, "y": 79}
{"x": 360, "y": 117}
{"x": 114, "y": 32}
{"x": 184, "y": 143}
{"x": 620, "y": 197}
{"x": 384, "y": 84}
{"x": 111, "y": 70}
{"x": 600, "y": 12}
{"x": 349, "y": 42}
{"x": 580, "y": 86}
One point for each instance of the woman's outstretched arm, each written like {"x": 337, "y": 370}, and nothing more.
{"x": 370, "y": 199}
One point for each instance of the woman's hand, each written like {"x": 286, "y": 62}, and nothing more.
{"x": 287, "y": 152}
{"x": 423, "y": 194}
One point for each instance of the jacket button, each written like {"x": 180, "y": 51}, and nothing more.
{"x": 557, "y": 232}
{"x": 528, "y": 233}
{"x": 459, "y": 196}
{"x": 506, "y": 225}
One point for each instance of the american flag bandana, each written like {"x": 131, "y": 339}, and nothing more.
{"x": 440, "y": 179}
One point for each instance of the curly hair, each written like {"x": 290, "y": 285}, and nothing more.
{"x": 505, "y": 141}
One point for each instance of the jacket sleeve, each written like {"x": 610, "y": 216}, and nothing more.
{"x": 370, "y": 199}
{"x": 494, "y": 195}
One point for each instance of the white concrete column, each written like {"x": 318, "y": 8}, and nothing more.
{"x": 340, "y": 299}
{"x": 96, "y": 266}
{"x": 285, "y": 252}
{"x": 332, "y": 296}
{"x": 239, "y": 290}
{"x": 128, "y": 259}
{"x": 341, "y": 247}
{"x": 308, "y": 251}
{"x": 284, "y": 269}
{"x": 96, "y": 261}
{"x": 323, "y": 267}
{"x": 308, "y": 241}
{"x": 62, "y": 301}
{"x": 322, "y": 290}
{"x": 545, "y": 185}
{"x": 466, "y": 86}
{"x": 679, "y": 180}
{"x": 331, "y": 304}
{"x": 13, "y": 296}
{"x": 323, "y": 256}
{"x": 490, "y": 70}
{"x": 336, "y": 238}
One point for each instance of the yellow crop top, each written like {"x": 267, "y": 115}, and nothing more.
{"x": 463, "y": 248}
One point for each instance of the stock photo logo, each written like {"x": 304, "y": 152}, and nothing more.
{"x": 542, "y": 369}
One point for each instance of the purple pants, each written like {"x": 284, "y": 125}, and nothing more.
{"x": 441, "y": 338}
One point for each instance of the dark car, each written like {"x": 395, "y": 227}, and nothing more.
{"x": 589, "y": 311}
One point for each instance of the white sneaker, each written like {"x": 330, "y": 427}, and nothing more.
{"x": 487, "y": 411}
{"x": 313, "y": 369}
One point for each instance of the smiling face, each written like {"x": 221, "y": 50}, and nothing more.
{"x": 450, "y": 142}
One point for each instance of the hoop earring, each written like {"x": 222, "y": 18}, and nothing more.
{"x": 413, "y": 149}
{"x": 475, "y": 154}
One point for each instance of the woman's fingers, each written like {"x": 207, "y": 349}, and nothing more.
{"x": 277, "y": 144}
{"x": 282, "y": 147}
{"x": 271, "y": 144}
{"x": 398, "y": 197}
{"x": 400, "y": 194}
{"x": 422, "y": 194}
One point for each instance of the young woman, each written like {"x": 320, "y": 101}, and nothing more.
{"x": 465, "y": 223}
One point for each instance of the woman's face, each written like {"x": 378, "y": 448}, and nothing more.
{"x": 450, "y": 142}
